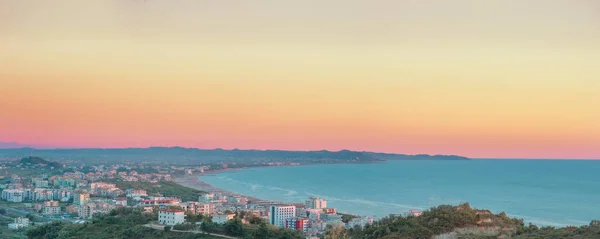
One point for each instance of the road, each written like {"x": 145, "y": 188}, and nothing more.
{"x": 162, "y": 227}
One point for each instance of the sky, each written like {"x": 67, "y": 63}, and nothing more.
{"x": 483, "y": 79}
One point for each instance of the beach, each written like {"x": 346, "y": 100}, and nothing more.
{"x": 192, "y": 181}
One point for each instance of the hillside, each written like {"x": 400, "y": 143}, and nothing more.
{"x": 180, "y": 155}
{"x": 38, "y": 162}
{"x": 451, "y": 222}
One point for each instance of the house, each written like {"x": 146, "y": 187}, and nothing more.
{"x": 222, "y": 218}
{"x": 171, "y": 216}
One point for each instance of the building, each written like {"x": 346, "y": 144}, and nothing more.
{"x": 20, "y": 222}
{"x": 39, "y": 183}
{"x": 205, "y": 208}
{"x": 330, "y": 210}
{"x": 160, "y": 202}
{"x": 279, "y": 214}
{"x": 315, "y": 203}
{"x": 171, "y": 216}
{"x": 51, "y": 210}
{"x": 51, "y": 204}
{"x": 81, "y": 199}
{"x": 298, "y": 224}
{"x": 121, "y": 202}
{"x": 222, "y": 218}
{"x": 85, "y": 211}
{"x": 132, "y": 193}
{"x": 12, "y": 195}
{"x": 414, "y": 212}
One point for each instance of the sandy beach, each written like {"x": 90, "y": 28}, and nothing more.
{"x": 192, "y": 181}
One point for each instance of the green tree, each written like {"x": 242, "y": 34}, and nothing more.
{"x": 167, "y": 228}
{"x": 262, "y": 232}
{"x": 234, "y": 227}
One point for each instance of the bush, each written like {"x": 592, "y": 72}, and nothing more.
{"x": 184, "y": 227}
{"x": 167, "y": 228}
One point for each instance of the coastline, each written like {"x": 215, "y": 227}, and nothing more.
{"x": 192, "y": 181}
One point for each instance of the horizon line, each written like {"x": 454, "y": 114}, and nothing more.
{"x": 253, "y": 149}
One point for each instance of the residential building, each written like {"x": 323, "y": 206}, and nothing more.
{"x": 279, "y": 214}
{"x": 86, "y": 211}
{"x": 171, "y": 216}
{"x": 299, "y": 224}
{"x": 222, "y": 218}
{"x": 160, "y": 203}
{"x": 39, "y": 183}
{"x": 81, "y": 198}
{"x": 51, "y": 203}
{"x": 20, "y": 222}
{"x": 121, "y": 202}
{"x": 12, "y": 195}
{"x": 315, "y": 203}
{"x": 51, "y": 210}
{"x": 205, "y": 208}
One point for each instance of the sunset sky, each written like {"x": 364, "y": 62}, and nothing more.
{"x": 496, "y": 78}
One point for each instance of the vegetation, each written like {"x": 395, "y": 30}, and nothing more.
{"x": 119, "y": 223}
{"x": 347, "y": 217}
{"x": 235, "y": 228}
{"x": 459, "y": 222}
{"x": 168, "y": 189}
{"x": 40, "y": 162}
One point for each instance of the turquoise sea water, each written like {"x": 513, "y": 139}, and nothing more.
{"x": 545, "y": 192}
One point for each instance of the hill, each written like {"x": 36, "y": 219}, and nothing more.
{"x": 38, "y": 162}
{"x": 448, "y": 222}
{"x": 179, "y": 155}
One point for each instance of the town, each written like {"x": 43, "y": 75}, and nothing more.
{"x": 77, "y": 195}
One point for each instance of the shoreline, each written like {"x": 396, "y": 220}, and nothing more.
{"x": 192, "y": 181}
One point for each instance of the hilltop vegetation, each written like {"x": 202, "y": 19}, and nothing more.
{"x": 178, "y": 155}
{"x": 38, "y": 162}
{"x": 128, "y": 223}
{"x": 119, "y": 223}
{"x": 460, "y": 222}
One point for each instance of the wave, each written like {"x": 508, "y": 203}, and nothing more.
{"x": 406, "y": 207}
{"x": 256, "y": 187}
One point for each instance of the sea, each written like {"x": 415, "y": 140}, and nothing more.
{"x": 544, "y": 192}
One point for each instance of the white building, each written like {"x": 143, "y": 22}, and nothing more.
{"x": 315, "y": 203}
{"x": 171, "y": 216}
{"x": 12, "y": 195}
{"x": 20, "y": 222}
{"x": 279, "y": 214}
{"x": 217, "y": 218}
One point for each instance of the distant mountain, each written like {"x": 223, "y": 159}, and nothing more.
{"x": 179, "y": 155}
{"x": 11, "y": 145}
{"x": 40, "y": 162}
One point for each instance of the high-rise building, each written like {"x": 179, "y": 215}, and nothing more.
{"x": 315, "y": 203}
{"x": 279, "y": 214}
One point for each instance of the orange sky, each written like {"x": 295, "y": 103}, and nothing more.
{"x": 517, "y": 79}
